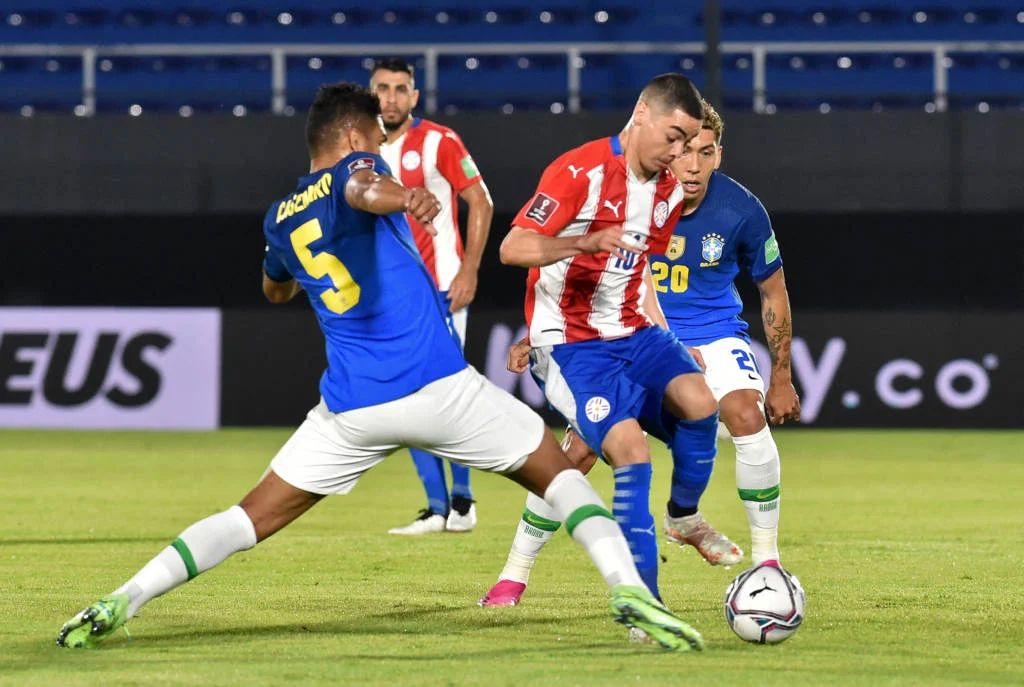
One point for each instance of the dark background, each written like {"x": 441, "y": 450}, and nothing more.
{"x": 873, "y": 211}
{"x": 896, "y": 230}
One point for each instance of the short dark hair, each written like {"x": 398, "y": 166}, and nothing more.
{"x": 671, "y": 91}
{"x": 337, "y": 108}
{"x": 393, "y": 64}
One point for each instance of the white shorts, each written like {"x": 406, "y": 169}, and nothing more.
{"x": 463, "y": 418}
{"x": 730, "y": 367}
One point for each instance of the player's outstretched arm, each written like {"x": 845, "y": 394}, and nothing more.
{"x": 528, "y": 248}
{"x": 781, "y": 400}
{"x": 382, "y": 195}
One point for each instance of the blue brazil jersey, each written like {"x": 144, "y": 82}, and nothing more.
{"x": 728, "y": 231}
{"x": 380, "y": 312}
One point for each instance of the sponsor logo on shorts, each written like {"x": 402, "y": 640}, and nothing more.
{"x": 410, "y": 160}
{"x": 541, "y": 209}
{"x": 597, "y": 408}
{"x": 660, "y": 214}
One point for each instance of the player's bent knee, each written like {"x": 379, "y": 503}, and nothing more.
{"x": 688, "y": 397}
{"x": 743, "y": 413}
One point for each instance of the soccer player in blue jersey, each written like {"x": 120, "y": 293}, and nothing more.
{"x": 342, "y": 237}
{"x": 723, "y": 230}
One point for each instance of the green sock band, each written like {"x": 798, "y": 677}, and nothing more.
{"x": 584, "y": 512}
{"x": 186, "y": 557}
{"x": 761, "y": 495}
{"x": 540, "y": 523}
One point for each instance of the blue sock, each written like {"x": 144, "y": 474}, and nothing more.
{"x": 431, "y": 472}
{"x": 693, "y": 459}
{"x": 632, "y": 510}
{"x": 460, "y": 481}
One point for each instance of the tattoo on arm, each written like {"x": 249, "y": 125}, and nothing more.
{"x": 779, "y": 334}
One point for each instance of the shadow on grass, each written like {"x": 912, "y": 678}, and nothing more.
{"x": 153, "y": 645}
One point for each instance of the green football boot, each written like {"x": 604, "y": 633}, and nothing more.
{"x": 637, "y": 607}
{"x": 95, "y": 623}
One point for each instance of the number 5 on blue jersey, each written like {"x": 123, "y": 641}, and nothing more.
{"x": 345, "y": 294}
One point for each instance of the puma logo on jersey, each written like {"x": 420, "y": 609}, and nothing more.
{"x": 614, "y": 208}
{"x": 575, "y": 170}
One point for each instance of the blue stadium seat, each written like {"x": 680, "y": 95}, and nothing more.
{"x": 305, "y": 74}
{"x": 43, "y": 83}
{"x": 521, "y": 80}
{"x": 169, "y": 83}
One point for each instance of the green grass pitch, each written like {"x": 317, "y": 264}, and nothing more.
{"x": 909, "y": 545}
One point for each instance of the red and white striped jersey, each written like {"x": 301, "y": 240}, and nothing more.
{"x": 433, "y": 156}
{"x": 595, "y": 296}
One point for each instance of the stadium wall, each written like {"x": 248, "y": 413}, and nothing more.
{"x": 204, "y": 368}
{"x": 796, "y": 162}
{"x": 853, "y": 261}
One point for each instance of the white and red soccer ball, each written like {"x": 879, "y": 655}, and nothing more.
{"x": 765, "y": 604}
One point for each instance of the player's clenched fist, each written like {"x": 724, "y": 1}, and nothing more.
{"x": 519, "y": 357}
{"x": 422, "y": 205}
{"x": 611, "y": 240}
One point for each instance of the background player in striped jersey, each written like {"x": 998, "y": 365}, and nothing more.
{"x": 601, "y": 361}
{"x": 424, "y": 153}
{"x": 342, "y": 238}
{"x": 723, "y": 230}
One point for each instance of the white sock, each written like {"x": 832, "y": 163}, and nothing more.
{"x": 758, "y": 478}
{"x": 538, "y": 525}
{"x": 200, "y": 547}
{"x": 591, "y": 524}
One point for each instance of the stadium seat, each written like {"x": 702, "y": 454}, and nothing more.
{"x": 519, "y": 79}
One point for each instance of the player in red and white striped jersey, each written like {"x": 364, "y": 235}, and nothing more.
{"x": 425, "y": 154}
{"x": 596, "y": 352}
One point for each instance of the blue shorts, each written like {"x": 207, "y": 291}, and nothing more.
{"x": 597, "y": 384}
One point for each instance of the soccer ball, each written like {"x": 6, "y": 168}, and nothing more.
{"x": 764, "y": 604}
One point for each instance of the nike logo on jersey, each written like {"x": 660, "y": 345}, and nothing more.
{"x": 614, "y": 208}
{"x": 575, "y": 170}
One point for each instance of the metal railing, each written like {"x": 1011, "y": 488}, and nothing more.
{"x": 573, "y": 52}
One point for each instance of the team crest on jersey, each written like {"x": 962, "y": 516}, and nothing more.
{"x": 410, "y": 160}
{"x": 711, "y": 249}
{"x": 660, "y": 214}
{"x": 597, "y": 408}
{"x": 541, "y": 209}
{"x": 360, "y": 163}
{"x": 676, "y": 246}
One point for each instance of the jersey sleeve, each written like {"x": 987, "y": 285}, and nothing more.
{"x": 349, "y": 165}
{"x": 759, "y": 249}
{"x": 274, "y": 267}
{"x": 455, "y": 163}
{"x": 559, "y": 197}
